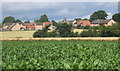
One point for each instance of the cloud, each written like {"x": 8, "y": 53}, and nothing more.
{"x": 109, "y": 15}
{"x": 60, "y": 0}
{"x": 55, "y": 10}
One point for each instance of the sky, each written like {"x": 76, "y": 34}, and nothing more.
{"x": 56, "y": 10}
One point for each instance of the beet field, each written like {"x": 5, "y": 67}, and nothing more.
{"x": 60, "y": 55}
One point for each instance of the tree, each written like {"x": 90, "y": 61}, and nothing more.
{"x": 43, "y": 18}
{"x": 27, "y": 21}
{"x": 101, "y": 14}
{"x": 39, "y": 33}
{"x": 85, "y": 19}
{"x": 9, "y": 19}
{"x": 79, "y": 26}
{"x": 78, "y": 19}
{"x": 54, "y": 23}
{"x": 18, "y": 21}
{"x": 116, "y": 17}
{"x": 64, "y": 30}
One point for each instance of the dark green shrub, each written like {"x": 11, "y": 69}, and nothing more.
{"x": 52, "y": 34}
{"x": 86, "y": 27}
{"x": 39, "y": 33}
{"x": 90, "y": 33}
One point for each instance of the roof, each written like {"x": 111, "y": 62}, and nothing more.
{"x": 8, "y": 24}
{"x": 14, "y": 25}
{"x": 47, "y": 23}
{"x": 84, "y": 22}
{"x": 39, "y": 23}
{"x": 28, "y": 24}
{"x": 100, "y": 21}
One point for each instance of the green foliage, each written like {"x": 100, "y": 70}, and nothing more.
{"x": 85, "y": 19}
{"x": 90, "y": 33}
{"x": 9, "y": 19}
{"x": 43, "y": 18}
{"x": 52, "y": 34}
{"x": 102, "y": 31}
{"x": 60, "y": 55}
{"x": 116, "y": 17}
{"x": 27, "y": 21}
{"x": 64, "y": 30}
{"x": 110, "y": 31}
{"x": 18, "y": 21}
{"x": 86, "y": 27}
{"x": 39, "y": 33}
{"x": 79, "y": 26}
{"x": 78, "y": 19}
{"x": 101, "y": 14}
{"x": 54, "y": 23}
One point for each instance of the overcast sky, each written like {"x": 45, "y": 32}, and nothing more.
{"x": 56, "y": 10}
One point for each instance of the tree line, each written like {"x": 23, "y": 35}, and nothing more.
{"x": 65, "y": 30}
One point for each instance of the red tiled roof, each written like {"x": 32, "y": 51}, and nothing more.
{"x": 47, "y": 23}
{"x": 28, "y": 24}
{"x": 84, "y": 22}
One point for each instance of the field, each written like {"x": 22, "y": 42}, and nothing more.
{"x": 17, "y": 34}
{"x": 60, "y": 55}
{"x": 23, "y": 34}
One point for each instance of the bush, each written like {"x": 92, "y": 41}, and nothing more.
{"x": 90, "y": 33}
{"x": 102, "y": 31}
{"x": 52, "y": 34}
{"x": 39, "y": 33}
{"x": 79, "y": 26}
{"x": 86, "y": 27}
{"x": 64, "y": 30}
{"x": 110, "y": 31}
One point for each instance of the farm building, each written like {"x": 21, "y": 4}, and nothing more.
{"x": 46, "y": 23}
{"x": 98, "y": 22}
{"x": 29, "y": 26}
{"x": 13, "y": 26}
{"x": 38, "y": 26}
{"x": 84, "y": 23}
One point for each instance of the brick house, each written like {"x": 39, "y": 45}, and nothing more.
{"x": 29, "y": 26}
{"x": 46, "y": 23}
{"x": 84, "y": 23}
{"x": 38, "y": 26}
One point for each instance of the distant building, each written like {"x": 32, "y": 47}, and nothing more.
{"x": 6, "y": 25}
{"x": 29, "y": 26}
{"x": 84, "y": 23}
{"x": 99, "y": 22}
{"x": 16, "y": 27}
{"x": 52, "y": 27}
{"x": 46, "y": 23}
{"x": 13, "y": 26}
{"x": 38, "y": 26}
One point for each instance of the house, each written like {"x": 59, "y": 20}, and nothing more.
{"x": 46, "y": 23}
{"x": 52, "y": 27}
{"x": 84, "y": 23}
{"x": 38, "y": 26}
{"x": 16, "y": 27}
{"x": 29, "y": 26}
{"x": 6, "y": 25}
{"x": 13, "y": 26}
{"x": 98, "y": 22}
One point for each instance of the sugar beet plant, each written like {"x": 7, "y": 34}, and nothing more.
{"x": 60, "y": 55}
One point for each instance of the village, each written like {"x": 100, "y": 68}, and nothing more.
{"x": 40, "y": 26}
{"x": 98, "y": 25}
